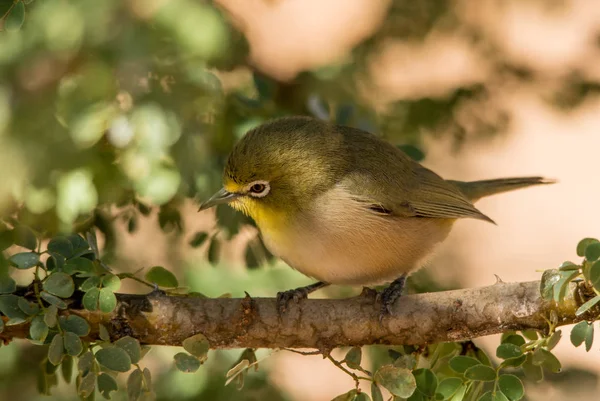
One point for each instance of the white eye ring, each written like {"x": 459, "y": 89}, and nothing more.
{"x": 258, "y": 189}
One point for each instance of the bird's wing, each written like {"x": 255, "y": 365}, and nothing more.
{"x": 420, "y": 194}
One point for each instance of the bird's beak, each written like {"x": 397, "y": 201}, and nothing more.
{"x": 223, "y": 196}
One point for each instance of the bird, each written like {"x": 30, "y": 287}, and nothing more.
{"x": 343, "y": 206}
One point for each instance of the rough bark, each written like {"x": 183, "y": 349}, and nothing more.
{"x": 327, "y": 323}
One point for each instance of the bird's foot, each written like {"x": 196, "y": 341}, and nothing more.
{"x": 284, "y": 297}
{"x": 389, "y": 295}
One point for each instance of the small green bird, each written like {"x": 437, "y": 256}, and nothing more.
{"x": 344, "y": 207}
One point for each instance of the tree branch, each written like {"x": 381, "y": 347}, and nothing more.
{"x": 325, "y": 323}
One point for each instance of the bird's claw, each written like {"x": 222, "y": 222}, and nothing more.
{"x": 389, "y": 296}
{"x": 284, "y": 298}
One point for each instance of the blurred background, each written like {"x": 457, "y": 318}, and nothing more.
{"x": 119, "y": 115}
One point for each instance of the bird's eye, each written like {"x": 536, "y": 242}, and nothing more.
{"x": 259, "y": 189}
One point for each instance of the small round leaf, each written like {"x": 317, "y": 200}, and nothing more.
{"x": 161, "y": 277}
{"x": 107, "y": 302}
{"x": 24, "y": 260}
{"x": 72, "y": 344}
{"x": 398, "y": 381}
{"x": 481, "y": 373}
{"x": 75, "y": 324}
{"x": 592, "y": 251}
{"x": 114, "y": 358}
{"x": 461, "y": 363}
{"x": 583, "y": 244}
{"x": 106, "y": 385}
{"x": 131, "y": 346}
{"x": 186, "y": 362}
{"x": 448, "y": 387}
{"x": 62, "y": 246}
{"x": 60, "y": 284}
{"x": 56, "y": 350}
{"x": 38, "y": 329}
{"x": 511, "y": 386}
{"x": 508, "y": 350}
{"x": 90, "y": 299}
{"x": 197, "y": 345}
{"x": 427, "y": 381}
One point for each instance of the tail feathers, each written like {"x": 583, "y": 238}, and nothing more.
{"x": 475, "y": 190}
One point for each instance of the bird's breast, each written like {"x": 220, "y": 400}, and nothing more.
{"x": 340, "y": 241}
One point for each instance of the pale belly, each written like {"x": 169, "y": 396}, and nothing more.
{"x": 356, "y": 247}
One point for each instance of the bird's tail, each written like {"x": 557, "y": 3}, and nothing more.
{"x": 475, "y": 190}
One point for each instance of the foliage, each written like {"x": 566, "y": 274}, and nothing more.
{"x": 114, "y": 111}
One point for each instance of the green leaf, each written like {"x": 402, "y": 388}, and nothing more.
{"x": 78, "y": 265}
{"x": 51, "y": 316}
{"x": 29, "y": 308}
{"x": 103, "y": 333}
{"x": 511, "y": 386}
{"x": 134, "y": 385}
{"x": 60, "y": 284}
{"x": 461, "y": 363}
{"x": 545, "y": 358}
{"x": 56, "y": 261}
{"x": 566, "y": 266}
{"x": 406, "y": 361}
{"x": 131, "y": 346}
{"x": 514, "y": 362}
{"x": 114, "y": 358}
{"x": 52, "y": 300}
{"x": 25, "y": 260}
{"x": 66, "y": 368}
{"x": 111, "y": 282}
{"x": 530, "y": 334}
{"x": 592, "y": 251}
{"x": 106, "y": 385}
{"x": 7, "y": 284}
{"x": 549, "y": 279}
{"x": 398, "y": 381}
{"x": 589, "y": 338}
{"x": 532, "y": 372}
{"x": 480, "y": 373}
{"x": 560, "y": 288}
{"x": 89, "y": 283}
{"x": 107, "y": 302}
{"x": 56, "y": 350}
{"x": 198, "y": 346}
{"x": 376, "y": 392}
{"x": 62, "y": 246}
{"x": 198, "y": 239}
{"x": 553, "y": 340}
{"x": 514, "y": 339}
{"x": 448, "y": 387}
{"x": 87, "y": 385}
{"x": 161, "y": 277}
{"x": 583, "y": 244}
{"x": 508, "y": 350}
{"x": 587, "y": 306}
{"x": 38, "y": 330}
{"x": 353, "y": 358}
{"x": 75, "y": 324}
{"x": 9, "y": 306}
{"x": 79, "y": 244}
{"x": 186, "y": 362}
{"x": 72, "y": 344}
{"x": 427, "y": 381}
{"x": 85, "y": 363}
{"x": 460, "y": 393}
{"x": 594, "y": 274}
{"x": 90, "y": 299}
{"x": 15, "y": 18}
{"x": 362, "y": 397}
